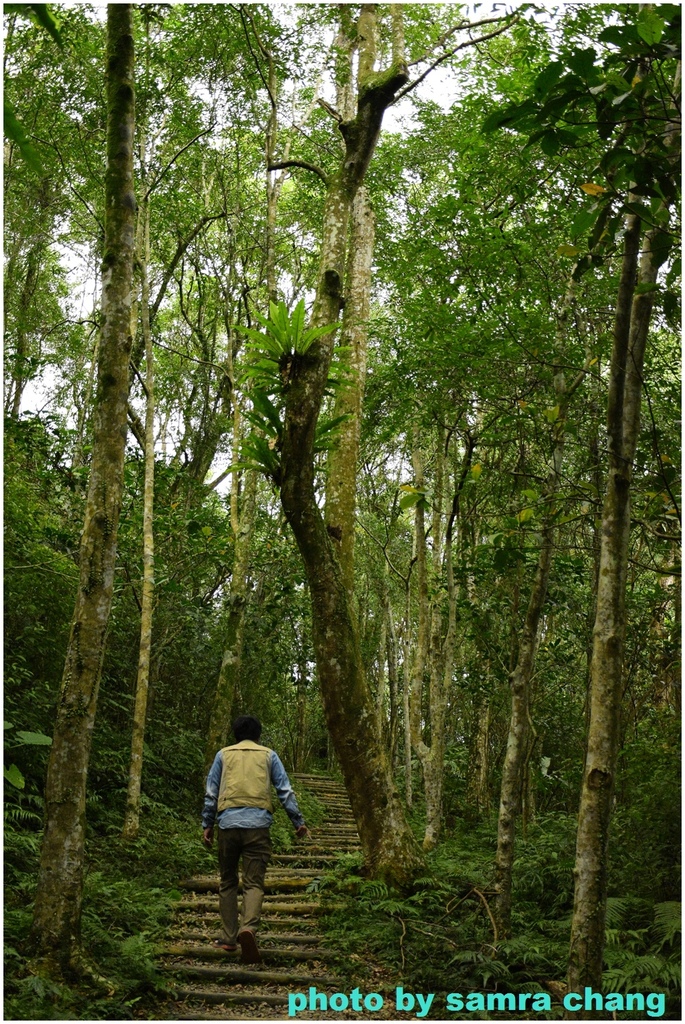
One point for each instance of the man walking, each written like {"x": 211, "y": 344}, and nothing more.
{"x": 238, "y": 797}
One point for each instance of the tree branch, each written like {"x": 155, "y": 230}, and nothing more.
{"x": 137, "y": 428}
{"x": 445, "y": 56}
{"x": 174, "y": 158}
{"x": 405, "y": 579}
{"x": 220, "y": 479}
{"x": 450, "y": 32}
{"x": 178, "y": 255}
{"x": 299, "y": 163}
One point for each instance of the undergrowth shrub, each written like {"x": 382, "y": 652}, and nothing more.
{"x": 128, "y": 899}
{"x": 441, "y": 937}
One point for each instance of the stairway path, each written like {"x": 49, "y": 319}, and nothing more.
{"x": 211, "y": 984}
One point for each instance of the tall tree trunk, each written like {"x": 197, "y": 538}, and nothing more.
{"x": 393, "y": 682}
{"x": 512, "y": 770}
{"x": 479, "y": 789}
{"x": 406, "y": 698}
{"x": 342, "y": 461}
{"x": 382, "y": 683}
{"x": 419, "y": 661}
{"x": 19, "y": 370}
{"x": 57, "y": 912}
{"x": 433, "y": 649}
{"x": 442, "y": 657}
{"x": 388, "y": 845}
{"x": 517, "y": 752}
{"x": 633, "y": 313}
{"x": 300, "y": 745}
{"x": 132, "y": 814}
{"x": 228, "y": 695}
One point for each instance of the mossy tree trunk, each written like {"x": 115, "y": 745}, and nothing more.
{"x": 57, "y": 912}
{"x": 436, "y": 639}
{"x": 388, "y": 845}
{"x": 132, "y": 814}
{"x": 520, "y": 678}
{"x": 633, "y": 312}
{"x": 341, "y": 487}
{"x": 228, "y": 695}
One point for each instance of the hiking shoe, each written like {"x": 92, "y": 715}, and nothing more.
{"x": 228, "y": 947}
{"x": 248, "y": 945}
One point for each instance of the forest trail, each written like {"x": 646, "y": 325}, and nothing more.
{"x": 213, "y": 984}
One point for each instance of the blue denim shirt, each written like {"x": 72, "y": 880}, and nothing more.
{"x": 249, "y": 817}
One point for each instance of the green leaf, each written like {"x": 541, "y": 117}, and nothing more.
{"x": 509, "y": 115}
{"x": 583, "y": 62}
{"x": 297, "y": 324}
{"x": 583, "y": 221}
{"x": 263, "y": 404}
{"x": 36, "y": 739}
{"x": 313, "y": 333}
{"x": 547, "y": 78}
{"x": 498, "y": 119}
{"x": 662, "y": 243}
{"x": 329, "y": 425}
{"x": 550, "y": 143}
{"x": 568, "y": 250}
{"x": 41, "y": 15}
{"x": 525, "y": 515}
{"x": 648, "y": 286}
{"x": 14, "y": 777}
{"x": 650, "y": 27}
{"x": 620, "y": 35}
{"x": 14, "y": 131}
{"x": 411, "y": 499}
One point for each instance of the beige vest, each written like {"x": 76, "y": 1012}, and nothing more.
{"x": 245, "y": 777}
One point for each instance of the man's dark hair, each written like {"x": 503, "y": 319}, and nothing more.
{"x": 247, "y": 727}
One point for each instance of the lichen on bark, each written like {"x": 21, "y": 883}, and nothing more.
{"x": 57, "y": 911}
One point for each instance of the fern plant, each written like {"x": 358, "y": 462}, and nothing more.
{"x": 273, "y": 356}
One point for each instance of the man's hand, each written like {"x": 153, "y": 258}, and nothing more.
{"x": 208, "y": 837}
{"x": 302, "y": 831}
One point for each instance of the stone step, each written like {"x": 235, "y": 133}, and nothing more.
{"x": 332, "y": 839}
{"x": 335, "y": 828}
{"x": 337, "y": 795}
{"x": 276, "y": 907}
{"x": 209, "y": 935}
{"x": 215, "y": 996}
{"x": 288, "y": 858}
{"x": 325, "y": 796}
{"x": 272, "y": 884}
{"x": 275, "y": 920}
{"x": 314, "y": 777}
{"x": 243, "y": 976}
{"x": 323, "y": 793}
{"x": 202, "y": 951}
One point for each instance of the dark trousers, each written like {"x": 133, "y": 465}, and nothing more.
{"x": 254, "y": 846}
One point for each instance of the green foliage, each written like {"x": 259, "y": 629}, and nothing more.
{"x": 284, "y": 337}
{"x": 621, "y": 95}
{"x": 440, "y": 938}
{"x": 273, "y": 358}
{"x": 467, "y": 332}
{"x": 44, "y": 17}
{"x": 41, "y": 14}
{"x": 129, "y": 895}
